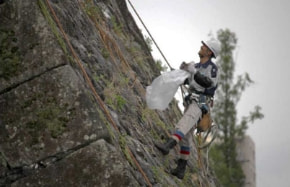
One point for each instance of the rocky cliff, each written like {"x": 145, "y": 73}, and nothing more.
{"x": 73, "y": 75}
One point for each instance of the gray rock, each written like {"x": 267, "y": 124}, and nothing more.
{"x": 55, "y": 130}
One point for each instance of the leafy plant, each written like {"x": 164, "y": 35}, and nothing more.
{"x": 149, "y": 42}
{"x": 116, "y": 26}
{"x": 224, "y": 155}
{"x": 160, "y": 66}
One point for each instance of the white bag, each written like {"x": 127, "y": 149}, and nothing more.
{"x": 163, "y": 88}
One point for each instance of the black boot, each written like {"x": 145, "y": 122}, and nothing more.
{"x": 165, "y": 148}
{"x": 179, "y": 171}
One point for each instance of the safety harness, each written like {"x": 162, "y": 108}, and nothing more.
{"x": 205, "y": 103}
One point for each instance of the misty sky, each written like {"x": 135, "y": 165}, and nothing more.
{"x": 262, "y": 28}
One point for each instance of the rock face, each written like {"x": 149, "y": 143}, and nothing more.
{"x": 72, "y": 99}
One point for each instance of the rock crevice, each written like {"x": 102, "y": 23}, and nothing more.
{"x": 53, "y": 132}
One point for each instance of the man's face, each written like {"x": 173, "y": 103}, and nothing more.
{"x": 204, "y": 51}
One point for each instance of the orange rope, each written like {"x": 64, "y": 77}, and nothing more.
{"x": 200, "y": 161}
{"x": 89, "y": 82}
{"x": 107, "y": 40}
{"x": 112, "y": 47}
{"x": 199, "y": 152}
{"x": 198, "y": 155}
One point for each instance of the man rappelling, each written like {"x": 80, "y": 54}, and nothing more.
{"x": 202, "y": 82}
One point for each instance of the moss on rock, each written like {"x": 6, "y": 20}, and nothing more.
{"x": 9, "y": 54}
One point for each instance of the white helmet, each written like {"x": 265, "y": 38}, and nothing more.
{"x": 214, "y": 46}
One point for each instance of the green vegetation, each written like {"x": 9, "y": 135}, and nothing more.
{"x": 113, "y": 96}
{"x": 125, "y": 149}
{"x": 160, "y": 66}
{"x": 223, "y": 155}
{"x": 51, "y": 118}
{"x": 92, "y": 10}
{"x": 54, "y": 29}
{"x": 120, "y": 102}
{"x": 108, "y": 125}
{"x": 105, "y": 53}
{"x": 148, "y": 42}
{"x": 138, "y": 56}
{"x": 158, "y": 173}
{"x": 55, "y": 123}
{"x": 98, "y": 78}
{"x": 154, "y": 134}
{"x": 136, "y": 53}
{"x": 53, "y": 25}
{"x": 152, "y": 116}
{"x": 116, "y": 26}
{"x": 9, "y": 54}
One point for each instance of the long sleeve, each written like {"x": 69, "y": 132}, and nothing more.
{"x": 205, "y": 79}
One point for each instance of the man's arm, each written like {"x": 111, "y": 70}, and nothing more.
{"x": 202, "y": 80}
{"x": 205, "y": 82}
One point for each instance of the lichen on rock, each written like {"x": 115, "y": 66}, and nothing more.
{"x": 72, "y": 99}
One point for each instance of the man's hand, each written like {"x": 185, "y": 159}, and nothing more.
{"x": 183, "y": 66}
{"x": 189, "y": 67}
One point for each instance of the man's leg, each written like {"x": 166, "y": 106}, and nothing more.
{"x": 185, "y": 124}
{"x": 185, "y": 145}
{"x": 188, "y": 120}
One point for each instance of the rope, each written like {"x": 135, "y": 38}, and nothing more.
{"x": 203, "y": 172}
{"x": 107, "y": 40}
{"x": 110, "y": 45}
{"x": 199, "y": 152}
{"x": 181, "y": 87}
{"x": 200, "y": 165}
{"x": 150, "y": 35}
{"x": 89, "y": 82}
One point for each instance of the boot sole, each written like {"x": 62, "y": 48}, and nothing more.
{"x": 180, "y": 177}
{"x": 161, "y": 149}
